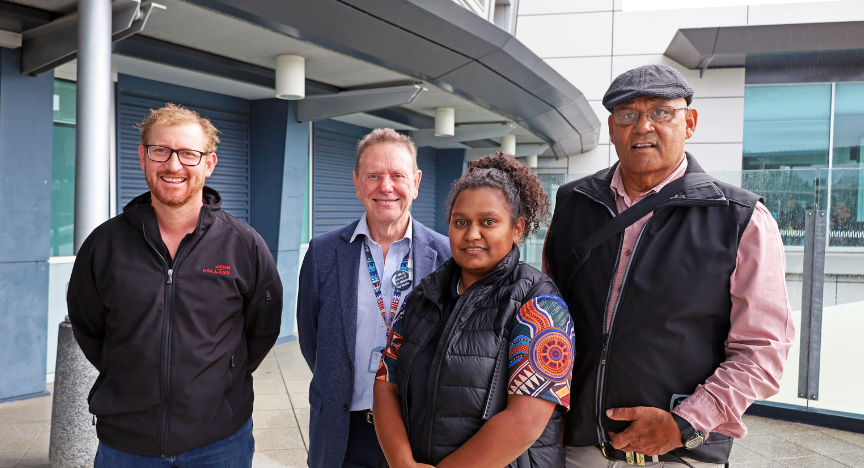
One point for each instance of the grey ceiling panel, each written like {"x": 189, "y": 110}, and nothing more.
{"x": 456, "y": 30}
{"x": 346, "y": 29}
{"x": 478, "y": 83}
{"x": 733, "y": 46}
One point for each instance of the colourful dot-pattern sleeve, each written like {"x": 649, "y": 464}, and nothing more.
{"x": 542, "y": 351}
{"x": 387, "y": 368}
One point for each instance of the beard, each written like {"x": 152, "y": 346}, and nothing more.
{"x": 174, "y": 198}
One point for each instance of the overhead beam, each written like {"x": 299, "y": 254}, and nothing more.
{"x": 462, "y": 134}
{"x": 322, "y": 107}
{"x": 51, "y": 45}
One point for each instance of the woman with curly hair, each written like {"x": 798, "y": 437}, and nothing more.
{"x": 476, "y": 372}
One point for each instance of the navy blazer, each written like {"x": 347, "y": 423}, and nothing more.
{"x": 327, "y": 329}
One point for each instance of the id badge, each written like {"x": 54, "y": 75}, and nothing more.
{"x": 375, "y": 359}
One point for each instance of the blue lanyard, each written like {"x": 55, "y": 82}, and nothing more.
{"x": 376, "y": 286}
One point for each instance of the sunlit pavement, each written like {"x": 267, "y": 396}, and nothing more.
{"x": 281, "y": 420}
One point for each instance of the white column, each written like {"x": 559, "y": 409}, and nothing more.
{"x": 92, "y": 155}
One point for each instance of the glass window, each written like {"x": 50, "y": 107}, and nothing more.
{"x": 786, "y": 126}
{"x": 63, "y": 170}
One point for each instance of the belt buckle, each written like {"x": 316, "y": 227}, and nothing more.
{"x": 607, "y": 456}
{"x": 369, "y": 417}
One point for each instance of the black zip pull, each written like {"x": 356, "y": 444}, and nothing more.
{"x": 267, "y": 295}
{"x": 232, "y": 361}
{"x": 94, "y": 419}
{"x": 170, "y": 275}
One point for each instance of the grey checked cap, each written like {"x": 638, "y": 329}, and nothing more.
{"x": 648, "y": 80}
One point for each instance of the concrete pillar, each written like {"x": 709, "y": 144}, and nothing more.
{"x": 73, "y": 435}
{"x": 93, "y": 118}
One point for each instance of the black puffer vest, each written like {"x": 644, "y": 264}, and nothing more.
{"x": 672, "y": 316}
{"x": 469, "y": 376}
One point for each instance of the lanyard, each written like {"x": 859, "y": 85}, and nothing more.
{"x": 376, "y": 286}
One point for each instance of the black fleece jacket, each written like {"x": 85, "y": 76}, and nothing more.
{"x": 175, "y": 340}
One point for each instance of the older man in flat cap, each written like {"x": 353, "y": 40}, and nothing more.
{"x": 676, "y": 286}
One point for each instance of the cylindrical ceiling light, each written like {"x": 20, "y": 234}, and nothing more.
{"x": 531, "y": 161}
{"x": 290, "y": 77}
{"x": 445, "y": 122}
{"x": 508, "y": 144}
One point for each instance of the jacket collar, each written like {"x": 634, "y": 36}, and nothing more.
{"x": 140, "y": 213}
{"x": 599, "y": 185}
{"x": 436, "y": 285}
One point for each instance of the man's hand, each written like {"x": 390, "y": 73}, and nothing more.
{"x": 653, "y": 431}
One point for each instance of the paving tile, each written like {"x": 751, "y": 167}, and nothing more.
{"x": 851, "y": 437}
{"x": 302, "y": 415}
{"x": 267, "y": 375}
{"x": 761, "y": 426}
{"x": 269, "y": 387}
{"x": 740, "y": 454}
{"x": 295, "y": 458}
{"x": 300, "y": 400}
{"x": 278, "y": 439}
{"x": 775, "y": 448}
{"x": 304, "y": 431}
{"x": 37, "y": 454}
{"x": 766, "y": 463}
{"x": 273, "y": 419}
{"x": 33, "y": 409}
{"x": 297, "y": 386}
{"x": 296, "y": 373}
{"x": 819, "y": 442}
{"x": 812, "y": 462}
{"x": 853, "y": 459}
{"x": 272, "y": 402}
{"x": 16, "y": 438}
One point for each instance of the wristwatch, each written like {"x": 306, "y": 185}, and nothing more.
{"x": 690, "y": 437}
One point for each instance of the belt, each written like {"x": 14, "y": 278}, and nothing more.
{"x": 633, "y": 458}
{"x": 365, "y": 414}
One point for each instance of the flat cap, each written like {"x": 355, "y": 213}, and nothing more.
{"x": 648, "y": 80}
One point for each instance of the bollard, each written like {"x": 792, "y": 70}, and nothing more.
{"x": 73, "y": 435}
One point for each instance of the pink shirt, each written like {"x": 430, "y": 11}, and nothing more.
{"x": 761, "y": 331}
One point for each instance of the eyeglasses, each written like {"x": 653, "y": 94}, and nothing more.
{"x": 657, "y": 114}
{"x": 187, "y": 157}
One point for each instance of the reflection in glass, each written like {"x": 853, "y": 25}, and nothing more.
{"x": 786, "y": 126}
{"x": 63, "y": 170}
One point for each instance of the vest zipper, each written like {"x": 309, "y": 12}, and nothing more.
{"x": 600, "y": 380}
{"x": 438, "y": 359}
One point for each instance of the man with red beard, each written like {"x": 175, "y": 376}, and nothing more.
{"x": 176, "y": 303}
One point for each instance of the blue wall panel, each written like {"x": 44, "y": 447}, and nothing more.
{"x": 450, "y": 164}
{"x": 279, "y": 148}
{"x": 26, "y": 135}
{"x": 26, "y": 131}
{"x": 23, "y": 328}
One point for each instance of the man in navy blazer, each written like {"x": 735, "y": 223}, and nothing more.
{"x": 352, "y": 283}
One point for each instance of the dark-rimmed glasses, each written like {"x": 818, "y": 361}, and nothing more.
{"x": 187, "y": 157}
{"x": 657, "y": 114}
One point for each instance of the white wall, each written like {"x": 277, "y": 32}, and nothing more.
{"x": 592, "y": 41}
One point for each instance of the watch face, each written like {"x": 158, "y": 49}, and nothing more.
{"x": 695, "y": 441}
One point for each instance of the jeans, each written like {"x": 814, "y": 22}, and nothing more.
{"x": 234, "y": 451}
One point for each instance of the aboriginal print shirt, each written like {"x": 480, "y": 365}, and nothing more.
{"x": 540, "y": 355}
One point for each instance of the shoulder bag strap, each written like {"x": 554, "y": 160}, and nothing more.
{"x": 580, "y": 253}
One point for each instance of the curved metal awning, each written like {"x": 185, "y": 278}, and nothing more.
{"x": 441, "y": 43}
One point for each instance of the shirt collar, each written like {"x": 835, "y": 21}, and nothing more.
{"x": 363, "y": 228}
{"x": 617, "y": 184}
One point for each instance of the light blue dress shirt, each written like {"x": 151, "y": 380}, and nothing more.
{"x": 371, "y": 330}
